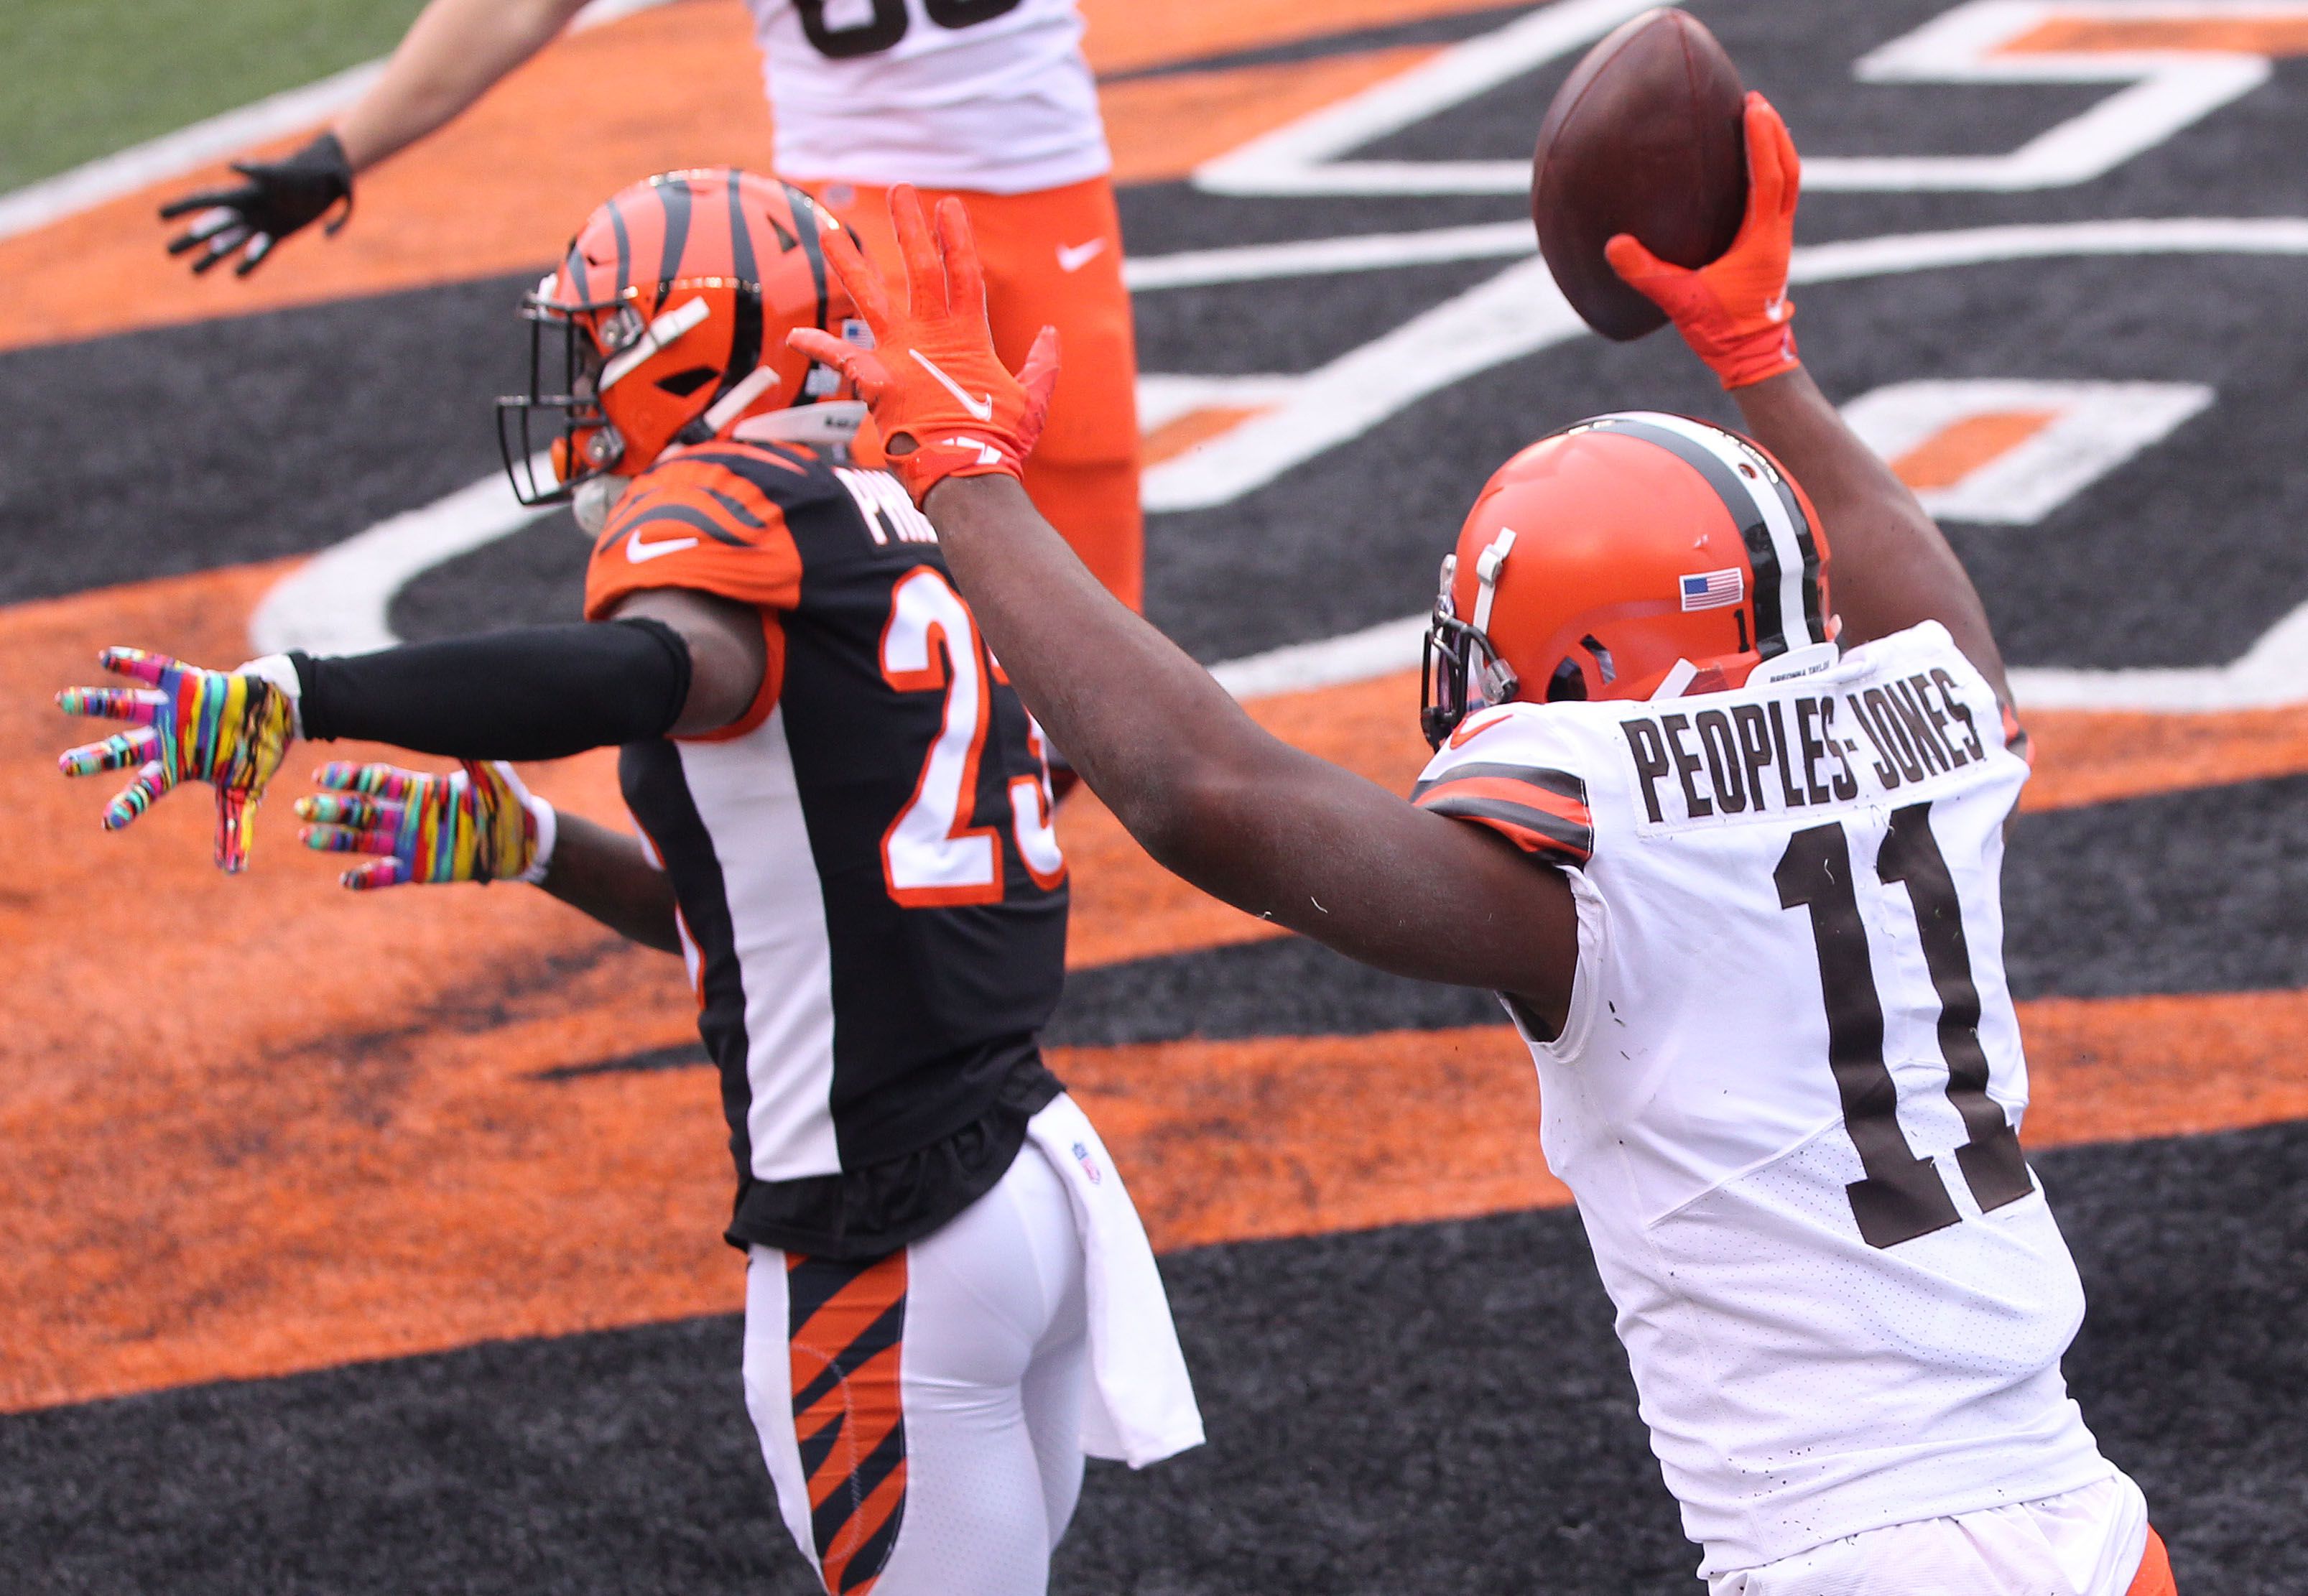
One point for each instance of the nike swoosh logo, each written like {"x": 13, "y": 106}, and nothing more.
{"x": 637, "y": 551}
{"x": 983, "y": 409}
{"x": 1074, "y": 257}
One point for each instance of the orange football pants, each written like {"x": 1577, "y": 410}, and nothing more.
{"x": 1053, "y": 257}
{"x": 2154, "y": 1576}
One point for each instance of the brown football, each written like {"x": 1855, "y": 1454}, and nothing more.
{"x": 1647, "y": 136}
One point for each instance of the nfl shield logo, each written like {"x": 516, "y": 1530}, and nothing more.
{"x": 1089, "y": 1165}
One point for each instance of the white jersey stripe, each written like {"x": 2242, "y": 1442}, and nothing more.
{"x": 744, "y": 790}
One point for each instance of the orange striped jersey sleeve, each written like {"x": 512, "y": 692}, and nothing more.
{"x": 709, "y": 521}
{"x": 1541, "y": 811}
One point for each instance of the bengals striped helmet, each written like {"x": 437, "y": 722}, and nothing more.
{"x": 1610, "y": 556}
{"x": 665, "y": 324}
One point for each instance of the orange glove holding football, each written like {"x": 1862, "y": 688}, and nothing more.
{"x": 1734, "y": 314}
{"x": 944, "y": 403}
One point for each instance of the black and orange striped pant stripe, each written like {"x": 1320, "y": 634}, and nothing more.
{"x": 847, "y": 1332}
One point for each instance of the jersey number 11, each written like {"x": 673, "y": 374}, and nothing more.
{"x": 1902, "y": 1195}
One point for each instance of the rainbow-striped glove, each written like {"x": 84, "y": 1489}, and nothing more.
{"x": 477, "y": 823}
{"x": 227, "y": 727}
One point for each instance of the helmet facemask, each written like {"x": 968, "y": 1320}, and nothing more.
{"x": 1460, "y": 674}
{"x": 559, "y": 420}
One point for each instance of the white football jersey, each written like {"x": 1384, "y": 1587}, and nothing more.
{"x": 989, "y": 95}
{"x": 1787, "y": 1091}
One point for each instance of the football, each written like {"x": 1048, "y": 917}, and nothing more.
{"x": 1646, "y": 136}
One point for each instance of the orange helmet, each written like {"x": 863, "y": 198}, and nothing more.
{"x": 672, "y": 306}
{"x": 1606, "y": 556}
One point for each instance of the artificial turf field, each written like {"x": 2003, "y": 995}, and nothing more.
{"x": 373, "y": 1244}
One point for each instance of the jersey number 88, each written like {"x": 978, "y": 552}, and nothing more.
{"x": 884, "y": 22}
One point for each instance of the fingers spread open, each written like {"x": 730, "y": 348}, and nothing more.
{"x": 140, "y": 706}
{"x": 965, "y": 278}
{"x": 139, "y": 663}
{"x": 137, "y": 797}
{"x": 376, "y": 874}
{"x": 859, "y": 366}
{"x": 113, "y": 754}
{"x": 330, "y": 808}
{"x": 208, "y": 199}
{"x": 925, "y": 272}
{"x": 379, "y": 781}
{"x": 856, "y": 274}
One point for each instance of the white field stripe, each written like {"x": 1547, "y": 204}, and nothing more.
{"x": 1311, "y": 257}
{"x": 1516, "y": 313}
{"x": 188, "y": 148}
{"x": 336, "y": 602}
{"x": 1302, "y": 667}
{"x": 2273, "y": 674}
{"x": 1302, "y": 158}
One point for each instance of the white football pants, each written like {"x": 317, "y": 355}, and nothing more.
{"x": 2085, "y": 1542}
{"x": 921, "y": 1414}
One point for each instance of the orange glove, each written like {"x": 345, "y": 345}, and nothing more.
{"x": 1734, "y": 314}
{"x": 944, "y": 403}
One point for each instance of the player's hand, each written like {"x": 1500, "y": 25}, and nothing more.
{"x": 1736, "y": 314}
{"x": 477, "y": 823}
{"x": 944, "y": 403}
{"x": 279, "y": 197}
{"x": 227, "y": 727}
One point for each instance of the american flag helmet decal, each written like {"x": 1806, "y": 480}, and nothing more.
{"x": 1714, "y": 589}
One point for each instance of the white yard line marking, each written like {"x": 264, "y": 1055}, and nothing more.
{"x": 2089, "y": 429}
{"x": 2164, "y": 93}
{"x": 1313, "y": 257}
{"x": 1304, "y": 157}
{"x": 188, "y": 148}
{"x": 336, "y": 601}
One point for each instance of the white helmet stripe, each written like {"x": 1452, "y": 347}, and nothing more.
{"x": 1753, "y": 496}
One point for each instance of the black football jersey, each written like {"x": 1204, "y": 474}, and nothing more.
{"x": 872, "y": 901}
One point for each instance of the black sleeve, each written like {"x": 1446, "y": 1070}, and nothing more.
{"x": 536, "y": 693}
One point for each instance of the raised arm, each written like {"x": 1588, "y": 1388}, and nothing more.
{"x": 1209, "y": 793}
{"x": 1893, "y": 567}
{"x": 452, "y": 55}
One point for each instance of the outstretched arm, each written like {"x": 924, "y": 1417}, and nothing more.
{"x": 455, "y": 50}
{"x": 453, "y": 53}
{"x": 1892, "y": 566}
{"x": 671, "y": 662}
{"x": 1209, "y": 793}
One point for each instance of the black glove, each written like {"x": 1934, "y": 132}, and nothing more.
{"x": 279, "y": 197}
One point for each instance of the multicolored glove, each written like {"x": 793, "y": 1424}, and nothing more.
{"x": 227, "y": 727}
{"x": 944, "y": 403}
{"x": 477, "y": 823}
{"x": 1734, "y": 314}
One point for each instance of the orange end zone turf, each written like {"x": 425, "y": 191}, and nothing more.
{"x": 499, "y": 190}
{"x": 254, "y": 1126}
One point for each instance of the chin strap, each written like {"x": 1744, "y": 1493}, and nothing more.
{"x": 1488, "y": 565}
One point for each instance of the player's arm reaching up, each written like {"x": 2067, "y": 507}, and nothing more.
{"x": 1893, "y": 567}
{"x": 671, "y": 662}
{"x": 1213, "y": 797}
{"x": 454, "y": 53}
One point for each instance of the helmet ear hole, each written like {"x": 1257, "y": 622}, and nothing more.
{"x": 1569, "y": 682}
{"x": 1594, "y": 645}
